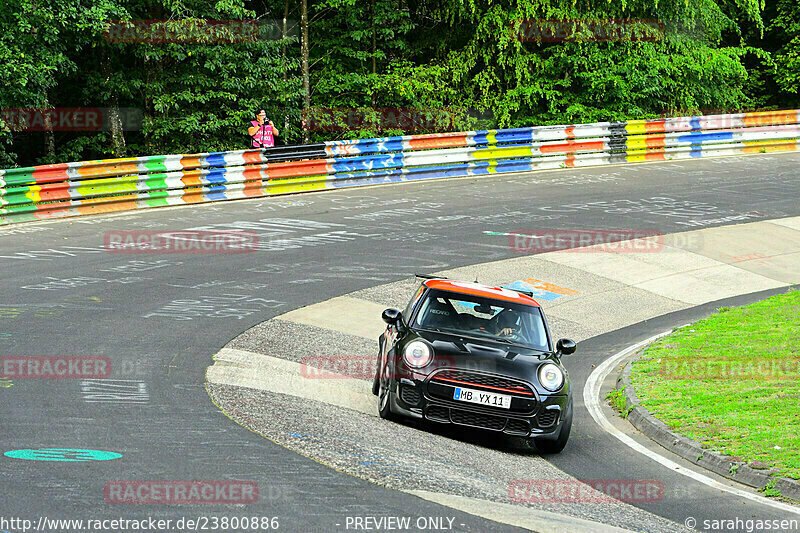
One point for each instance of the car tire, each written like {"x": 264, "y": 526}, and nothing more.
{"x": 384, "y": 392}
{"x": 385, "y": 401}
{"x": 548, "y": 447}
{"x": 376, "y": 385}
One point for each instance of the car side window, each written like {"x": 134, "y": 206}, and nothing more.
{"x": 410, "y": 307}
{"x": 538, "y": 332}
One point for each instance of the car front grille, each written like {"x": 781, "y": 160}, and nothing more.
{"x": 466, "y": 418}
{"x": 460, "y": 378}
{"x": 517, "y": 427}
{"x": 438, "y": 414}
{"x": 443, "y": 384}
{"x": 512, "y": 426}
{"x": 547, "y": 418}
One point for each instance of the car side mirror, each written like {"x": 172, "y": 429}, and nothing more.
{"x": 391, "y": 316}
{"x": 565, "y": 346}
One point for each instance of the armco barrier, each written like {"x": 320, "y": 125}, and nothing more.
{"x": 70, "y": 189}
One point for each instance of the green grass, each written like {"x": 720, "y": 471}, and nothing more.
{"x": 616, "y": 398}
{"x": 732, "y": 382}
{"x": 770, "y": 489}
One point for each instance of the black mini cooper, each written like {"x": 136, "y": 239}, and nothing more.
{"x": 473, "y": 355}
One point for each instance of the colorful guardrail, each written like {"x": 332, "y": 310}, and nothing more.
{"x": 70, "y": 189}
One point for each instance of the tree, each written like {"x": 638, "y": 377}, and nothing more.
{"x": 785, "y": 29}
{"x": 39, "y": 45}
{"x": 475, "y": 63}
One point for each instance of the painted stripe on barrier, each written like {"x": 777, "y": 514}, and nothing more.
{"x": 50, "y": 191}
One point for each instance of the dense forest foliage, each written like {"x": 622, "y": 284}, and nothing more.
{"x": 190, "y": 78}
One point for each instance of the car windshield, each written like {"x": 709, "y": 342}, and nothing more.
{"x": 487, "y": 317}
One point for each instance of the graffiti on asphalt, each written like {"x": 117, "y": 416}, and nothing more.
{"x": 58, "y": 284}
{"x": 114, "y": 391}
{"x": 225, "y": 306}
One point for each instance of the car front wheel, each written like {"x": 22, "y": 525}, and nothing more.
{"x": 376, "y": 382}
{"x": 384, "y": 401}
{"x": 545, "y": 446}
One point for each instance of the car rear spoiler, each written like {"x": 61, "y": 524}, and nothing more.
{"x": 429, "y": 276}
{"x": 526, "y": 293}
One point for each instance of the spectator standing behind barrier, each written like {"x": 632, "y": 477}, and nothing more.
{"x": 263, "y": 134}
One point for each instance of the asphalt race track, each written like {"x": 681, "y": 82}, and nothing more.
{"x": 160, "y": 318}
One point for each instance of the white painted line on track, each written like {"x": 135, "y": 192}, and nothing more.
{"x": 518, "y": 515}
{"x": 591, "y": 398}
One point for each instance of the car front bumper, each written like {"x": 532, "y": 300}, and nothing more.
{"x": 409, "y": 398}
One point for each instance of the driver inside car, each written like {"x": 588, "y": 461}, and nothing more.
{"x": 507, "y": 324}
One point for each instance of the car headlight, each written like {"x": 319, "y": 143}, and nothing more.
{"x": 551, "y": 377}
{"x": 417, "y": 354}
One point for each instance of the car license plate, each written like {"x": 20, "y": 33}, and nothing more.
{"x": 488, "y": 399}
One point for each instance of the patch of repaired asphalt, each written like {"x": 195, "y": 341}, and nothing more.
{"x": 412, "y": 456}
{"x": 296, "y": 342}
{"x": 394, "y": 295}
{"x": 562, "y": 327}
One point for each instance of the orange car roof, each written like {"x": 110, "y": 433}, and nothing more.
{"x": 478, "y": 289}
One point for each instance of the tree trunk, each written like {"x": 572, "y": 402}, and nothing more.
{"x": 118, "y": 148}
{"x": 117, "y": 135}
{"x": 306, "y": 81}
{"x": 285, "y": 66}
{"x": 49, "y": 136}
{"x": 374, "y": 61}
{"x": 372, "y": 18}
{"x": 49, "y": 139}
